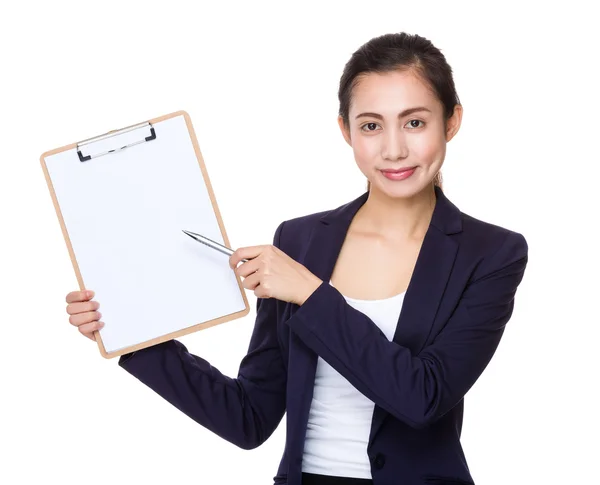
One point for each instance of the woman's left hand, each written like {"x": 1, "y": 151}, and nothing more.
{"x": 271, "y": 273}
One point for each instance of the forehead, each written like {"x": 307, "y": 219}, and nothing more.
{"x": 391, "y": 92}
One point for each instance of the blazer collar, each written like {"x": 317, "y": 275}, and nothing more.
{"x": 423, "y": 295}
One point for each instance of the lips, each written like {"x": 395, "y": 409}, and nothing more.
{"x": 400, "y": 170}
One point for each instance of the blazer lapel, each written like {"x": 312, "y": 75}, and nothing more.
{"x": 423, "y": 295}
{"x": 426, "y": 287}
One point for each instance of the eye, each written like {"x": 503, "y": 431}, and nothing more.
{"x": 418, "y": 121}
{"x": 368, "y": 124}
{"x": 372, "y": 124}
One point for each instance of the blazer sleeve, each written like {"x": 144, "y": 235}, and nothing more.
{"x": 244, "y": 410}
{"x": 417, "y": 389}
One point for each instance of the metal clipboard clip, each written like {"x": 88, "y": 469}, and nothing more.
{"x": 123, "y": 138}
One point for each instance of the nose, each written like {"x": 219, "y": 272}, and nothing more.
{"x": 394, "y": 146}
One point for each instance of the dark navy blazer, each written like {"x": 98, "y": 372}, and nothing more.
{"x": 459, "y": 299}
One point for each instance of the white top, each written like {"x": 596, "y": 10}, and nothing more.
{"x": 339, "y": 420}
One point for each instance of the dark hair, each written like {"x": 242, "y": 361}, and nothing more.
{"x": 400, "y": 52}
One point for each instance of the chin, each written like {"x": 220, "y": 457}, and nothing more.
{"x": 399, "y": 192}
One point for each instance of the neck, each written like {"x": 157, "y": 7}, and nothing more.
{"x": 397, "y": 218}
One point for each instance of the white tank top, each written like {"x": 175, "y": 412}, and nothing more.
{"x": 339, "y": 420}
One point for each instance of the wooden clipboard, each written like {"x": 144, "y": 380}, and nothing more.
{"x": 150, "y": 169}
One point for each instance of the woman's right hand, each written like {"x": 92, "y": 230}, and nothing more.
{"x": 83, "y": 311}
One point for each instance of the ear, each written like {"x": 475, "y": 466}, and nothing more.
{"x": 345, "y": 133}
{"x": 453, "y": 124}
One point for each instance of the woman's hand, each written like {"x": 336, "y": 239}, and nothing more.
{"x": 84, "y": 312}
{"x": 273, "y": 274}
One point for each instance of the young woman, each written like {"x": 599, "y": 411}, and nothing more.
{"x": 373, "y": 319}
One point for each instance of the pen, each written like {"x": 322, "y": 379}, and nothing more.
{"x": 210, "y": 243}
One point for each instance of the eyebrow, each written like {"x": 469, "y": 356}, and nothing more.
{"x": 404, "y": 113}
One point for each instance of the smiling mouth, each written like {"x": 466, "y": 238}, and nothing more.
{"x": 400, "y": 170}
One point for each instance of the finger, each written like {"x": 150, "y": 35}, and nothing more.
{"x": 84, "y": 318}
{"x": 248, "y": 252}
{"x": 89, "y": 328}
{"x": 261, "y": 292}
{"x": 80, "y": 307}
{"x": 252, "y": 281}
{"x": 91, "y": 336}
{"x": 246, "y": 269}
{"x": 81, "y": 295}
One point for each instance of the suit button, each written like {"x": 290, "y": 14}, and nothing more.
{"x": 379, "y": 460}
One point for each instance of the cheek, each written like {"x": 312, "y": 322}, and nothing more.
{"x": 365, "y": 149}
{"x": 428, "y": 149}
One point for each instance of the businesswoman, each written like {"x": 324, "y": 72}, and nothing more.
{"x": 373, "y": 319}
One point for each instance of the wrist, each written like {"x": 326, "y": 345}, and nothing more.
{"x": 310, "y": 288}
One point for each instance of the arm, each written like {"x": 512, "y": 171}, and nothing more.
{"x": 416, "y": 389}
{"x": 244, "y": 410}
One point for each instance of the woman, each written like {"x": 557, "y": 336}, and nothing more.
{"x": 373, "y": 319}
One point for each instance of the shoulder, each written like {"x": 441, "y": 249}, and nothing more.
{"x": 293, "y": 234}
{"x": 491, "y": 243}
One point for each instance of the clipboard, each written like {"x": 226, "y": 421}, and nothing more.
{"x": 122, "y": 200}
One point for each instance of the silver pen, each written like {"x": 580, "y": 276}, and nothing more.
{"x": 210, "y": 243}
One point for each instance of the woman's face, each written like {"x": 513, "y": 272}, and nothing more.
{"x": 383, "y": 137}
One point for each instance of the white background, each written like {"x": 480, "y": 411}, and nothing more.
{"x": 260, "y": 83}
